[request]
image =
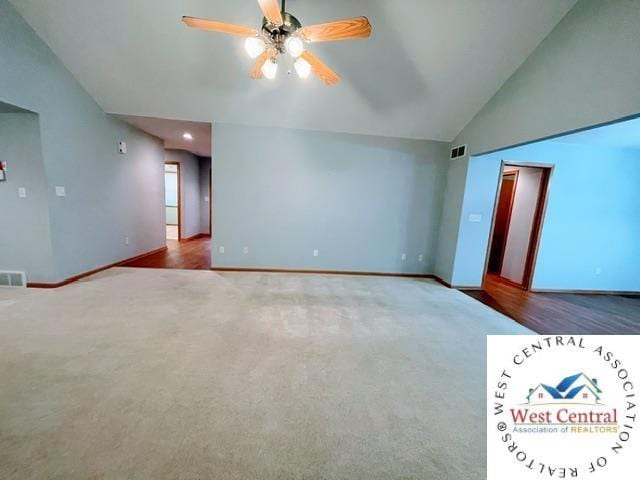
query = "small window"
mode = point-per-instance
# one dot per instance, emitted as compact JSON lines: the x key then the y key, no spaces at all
{"x":584,"y":395}
{"x":541,"y":395}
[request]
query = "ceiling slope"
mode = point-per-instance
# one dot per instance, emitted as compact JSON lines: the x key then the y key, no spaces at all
{"x":429,"y":67}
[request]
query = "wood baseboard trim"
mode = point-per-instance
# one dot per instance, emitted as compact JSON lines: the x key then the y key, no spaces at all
{"x":442,"y":281}
{"x":322,"y":272}
{"x":585,"y":292}
{"x":196,"y":237}
{"x":80,"y":276}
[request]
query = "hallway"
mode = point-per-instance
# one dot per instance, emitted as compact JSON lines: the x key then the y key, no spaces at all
{"x":562,"y":313}
{"x":194,"y":254}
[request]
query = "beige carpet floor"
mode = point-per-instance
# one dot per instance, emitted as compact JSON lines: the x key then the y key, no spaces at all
{"x":169,"y":374}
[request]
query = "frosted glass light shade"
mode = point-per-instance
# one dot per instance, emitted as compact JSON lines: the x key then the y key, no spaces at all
{"x":295,"y":46}
{"x":303,"y":68}
{"x":254,"y":46}
{"x":269,"y":69}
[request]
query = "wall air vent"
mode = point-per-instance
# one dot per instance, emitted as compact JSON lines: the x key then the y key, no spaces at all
{"x":458,"y":152}
{"x":13,"y":279}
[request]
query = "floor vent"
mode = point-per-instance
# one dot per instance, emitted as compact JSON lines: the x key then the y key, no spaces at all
{"x":458,"y":152}
{"x":13,"y":279}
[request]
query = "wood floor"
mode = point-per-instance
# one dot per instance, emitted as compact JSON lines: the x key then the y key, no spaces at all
{"x":562,"y":313}
{"x":187,"y":255}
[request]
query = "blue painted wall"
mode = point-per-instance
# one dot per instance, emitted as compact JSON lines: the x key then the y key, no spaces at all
{"x":109,"y":196}
{"x":361,"y":201}
{"x":592,"y":219}
{"x":584,"y":73}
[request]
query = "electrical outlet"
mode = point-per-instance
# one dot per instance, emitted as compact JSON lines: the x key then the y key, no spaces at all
{"x":404,"y":257}
{"x":122,"y":148}
{"x":22,"y":192}
{"x":316,"y":253}
{"x":126,"y":240}
{"x":245,"y":250}
{"x":61,"y":192}
{"x":598,"y":271}
{"x":220,"y":249}
{"x":421,"y":258}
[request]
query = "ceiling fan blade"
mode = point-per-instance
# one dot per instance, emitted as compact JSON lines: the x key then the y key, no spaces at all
{"x":271,"y":11}
{"x":323,"y":72}
{"x":221,"y":27}
{"x":348,"y":29}
{"x":256,"y":70}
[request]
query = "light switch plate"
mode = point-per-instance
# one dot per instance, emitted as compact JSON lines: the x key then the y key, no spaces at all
{"x":61,"y":192}
{"x":245,"y":250}
{"x":316,"y":253}
{"x":475,"y":217}
{"x":221,"y":249}
{"x":206,"y":199}
{"x":22,"y":192}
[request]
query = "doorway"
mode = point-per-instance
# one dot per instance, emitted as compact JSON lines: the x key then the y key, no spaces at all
{"x":517,"y":224}
{"x":172,"y":195}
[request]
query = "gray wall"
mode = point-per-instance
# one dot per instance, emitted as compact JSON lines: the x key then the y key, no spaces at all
{"x":25,"y":240}
{"x":205,"y":198}
{"x":189,"y":191}
{"x":109,"y":196}
{"x":361,"y":201}
{"x":586,"y":72}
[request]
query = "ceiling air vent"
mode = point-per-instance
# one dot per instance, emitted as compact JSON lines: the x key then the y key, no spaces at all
{"x":13,"y":279}
{"x":458,"y":152}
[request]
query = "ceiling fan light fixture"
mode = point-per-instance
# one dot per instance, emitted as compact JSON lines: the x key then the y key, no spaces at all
{"x":303,"y":68}
{"x":270,"y":69}
{"x":295,"y":46}
{"x":254,"y":46}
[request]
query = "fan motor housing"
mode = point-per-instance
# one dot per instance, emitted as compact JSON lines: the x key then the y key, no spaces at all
{"x":279,"y":34}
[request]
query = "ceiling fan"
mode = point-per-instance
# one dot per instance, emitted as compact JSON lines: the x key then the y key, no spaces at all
{"x":282,"y":33}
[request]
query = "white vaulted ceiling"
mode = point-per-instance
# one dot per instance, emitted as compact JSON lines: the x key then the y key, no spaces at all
{"x":429,"y":67}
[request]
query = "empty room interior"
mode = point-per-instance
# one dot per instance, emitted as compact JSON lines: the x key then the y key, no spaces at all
{"x":251,"y":240}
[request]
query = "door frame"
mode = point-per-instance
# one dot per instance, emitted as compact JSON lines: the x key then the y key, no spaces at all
{"x":210,"y":201}
{"x":177,"y":164}
{"x":538,"y":221}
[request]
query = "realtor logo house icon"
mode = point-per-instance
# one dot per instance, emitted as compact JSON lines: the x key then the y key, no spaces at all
{"x":577,"y":388}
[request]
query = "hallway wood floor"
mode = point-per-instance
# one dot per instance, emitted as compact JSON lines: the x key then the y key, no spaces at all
{"x":562,"y":313}
{"x":186,"y":255}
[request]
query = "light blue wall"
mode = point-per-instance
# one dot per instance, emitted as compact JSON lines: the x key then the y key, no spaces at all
{"x":586,"y":72}
{"x":450,"y":221}
{"x":109,"y":196}
{"x":25,"y":240}
{"x":361,"y":201}
{"x":592,"y":219}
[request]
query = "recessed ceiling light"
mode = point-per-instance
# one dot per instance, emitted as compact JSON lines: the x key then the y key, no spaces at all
{"x":187,"y":136}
